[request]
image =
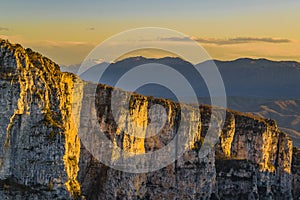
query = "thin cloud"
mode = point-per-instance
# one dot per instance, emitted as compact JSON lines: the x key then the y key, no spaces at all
{"x":64,"y":43}
{"x":13,"y":38}
{"x":4,"y":29}
{"x":179,"y":39}
{"x":90,"y":29}
{"x":250,"y":39}
{"x":230,"y":41}
{"x":46,"y":43}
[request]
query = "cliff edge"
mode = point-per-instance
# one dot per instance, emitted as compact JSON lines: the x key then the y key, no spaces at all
{"x":41,"y":156}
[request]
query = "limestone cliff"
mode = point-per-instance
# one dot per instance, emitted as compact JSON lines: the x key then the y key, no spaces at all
{"x":257,"y":163}
{"x":41,"y":156}
{"x":39,"y":145}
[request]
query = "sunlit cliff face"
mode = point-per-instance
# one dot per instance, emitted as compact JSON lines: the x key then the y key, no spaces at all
{"x":40,"y":142}
{"x":40,"y":83}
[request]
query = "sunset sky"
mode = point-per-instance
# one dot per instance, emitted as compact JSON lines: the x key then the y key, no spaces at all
{"x":66,"y":31}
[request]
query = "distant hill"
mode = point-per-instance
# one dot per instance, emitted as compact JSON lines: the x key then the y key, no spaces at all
{"x":114,"y":71}
{"x":259,"y":77}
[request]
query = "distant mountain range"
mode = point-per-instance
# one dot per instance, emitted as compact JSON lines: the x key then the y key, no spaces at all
{"x":242,"y":77}
{"x":263,"y":87}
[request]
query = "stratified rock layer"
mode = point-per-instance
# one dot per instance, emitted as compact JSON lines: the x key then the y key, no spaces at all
{"x":42,"y":157}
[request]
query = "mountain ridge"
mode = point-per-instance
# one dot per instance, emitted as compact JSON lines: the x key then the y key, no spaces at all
{"x":253,"y":59}
{"x":211,"y":60}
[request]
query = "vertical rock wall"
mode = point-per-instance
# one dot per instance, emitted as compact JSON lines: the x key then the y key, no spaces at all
{"x":41,"y":156}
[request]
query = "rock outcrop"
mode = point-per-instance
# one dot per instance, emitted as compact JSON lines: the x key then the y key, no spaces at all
{"x":258,"y":165}
{"x":41,"y":156}
{"x":39,"y":145}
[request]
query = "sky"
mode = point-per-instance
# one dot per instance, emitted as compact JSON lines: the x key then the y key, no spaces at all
{"x":66,"y":31}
